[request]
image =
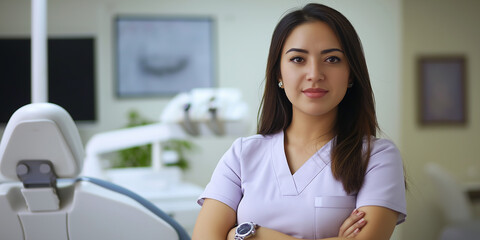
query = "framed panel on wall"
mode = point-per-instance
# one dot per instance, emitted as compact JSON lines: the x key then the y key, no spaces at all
{"x":442,"y":91}
{"x":162,"y":56}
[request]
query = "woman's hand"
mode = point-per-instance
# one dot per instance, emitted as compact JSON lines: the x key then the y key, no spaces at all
{"x":352,"y":225}
{"x":231,"y":234}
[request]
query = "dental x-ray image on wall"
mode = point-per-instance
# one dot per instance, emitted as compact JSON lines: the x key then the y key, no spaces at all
{"x":162,"y":56}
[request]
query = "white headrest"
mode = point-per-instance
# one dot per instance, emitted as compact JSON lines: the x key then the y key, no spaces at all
{"x":41,"y":131}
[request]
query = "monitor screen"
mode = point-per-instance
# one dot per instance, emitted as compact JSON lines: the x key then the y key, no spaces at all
{"x":71,"y":76}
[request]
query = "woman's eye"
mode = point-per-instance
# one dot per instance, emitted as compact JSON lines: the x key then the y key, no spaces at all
{"x":297,"y":59}
{"x":333,"y":59}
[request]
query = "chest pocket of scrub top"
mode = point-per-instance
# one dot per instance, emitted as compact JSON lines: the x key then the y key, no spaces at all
{"x":330,"y":213}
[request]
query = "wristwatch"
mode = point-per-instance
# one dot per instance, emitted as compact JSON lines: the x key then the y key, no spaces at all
{"x":245,"y":230}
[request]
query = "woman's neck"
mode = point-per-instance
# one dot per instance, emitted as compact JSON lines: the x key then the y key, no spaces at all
{"x":310,"y":130}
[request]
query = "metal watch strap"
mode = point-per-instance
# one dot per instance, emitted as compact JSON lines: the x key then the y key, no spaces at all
{"x":255,"y":226}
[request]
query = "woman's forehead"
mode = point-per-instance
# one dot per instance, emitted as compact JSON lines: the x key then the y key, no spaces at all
{"x":314,"y":35}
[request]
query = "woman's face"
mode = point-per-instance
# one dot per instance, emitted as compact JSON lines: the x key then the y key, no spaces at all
{"x":314,"y":69}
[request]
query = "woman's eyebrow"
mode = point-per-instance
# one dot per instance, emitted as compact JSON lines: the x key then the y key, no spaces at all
{"x":331,"y":50}
{"x":296,"y":50}
{"x":306,"y":51}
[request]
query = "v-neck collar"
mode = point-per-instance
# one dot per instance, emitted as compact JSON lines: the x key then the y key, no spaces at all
{"x":293,"y":185}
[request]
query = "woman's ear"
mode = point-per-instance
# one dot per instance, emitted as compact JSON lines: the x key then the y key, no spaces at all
{"x":280,"y":82}
{"x":350,"y":81}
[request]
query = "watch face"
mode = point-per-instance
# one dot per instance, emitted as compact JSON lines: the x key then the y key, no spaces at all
{"x":244,"y":228}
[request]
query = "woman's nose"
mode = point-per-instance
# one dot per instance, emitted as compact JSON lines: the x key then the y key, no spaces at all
{"x":314,"y":72}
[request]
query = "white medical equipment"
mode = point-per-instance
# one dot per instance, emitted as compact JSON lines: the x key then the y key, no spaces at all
{"x":200,"y":112}
{"x":208,"y":111}
{"x":41,"y":154}
{"x":454,"y":204}
{"x":158,"y":184}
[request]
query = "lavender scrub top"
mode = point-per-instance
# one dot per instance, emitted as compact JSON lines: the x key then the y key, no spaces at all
{"x":254,"y":179}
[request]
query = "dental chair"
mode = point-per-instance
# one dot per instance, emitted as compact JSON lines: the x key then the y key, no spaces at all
{"x":41,"y":155}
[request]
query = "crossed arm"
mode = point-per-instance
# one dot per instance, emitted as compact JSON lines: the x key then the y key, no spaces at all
{"x":216,"y":220}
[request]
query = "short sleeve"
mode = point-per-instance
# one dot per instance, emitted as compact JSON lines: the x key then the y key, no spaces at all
{"x":384,"y":183}
{"x":225,"y":184}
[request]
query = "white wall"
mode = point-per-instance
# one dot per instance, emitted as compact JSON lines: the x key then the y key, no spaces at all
{"x":243,"y":31}
{"x":440,"y":27}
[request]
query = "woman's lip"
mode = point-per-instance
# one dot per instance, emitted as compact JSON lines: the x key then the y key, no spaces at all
{"x":315,"y":92}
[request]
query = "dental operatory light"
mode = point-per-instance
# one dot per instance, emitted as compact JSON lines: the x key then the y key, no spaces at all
{"x":208,"y":111}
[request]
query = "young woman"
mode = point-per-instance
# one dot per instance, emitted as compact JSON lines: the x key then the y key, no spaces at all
{"x":315,"y":158}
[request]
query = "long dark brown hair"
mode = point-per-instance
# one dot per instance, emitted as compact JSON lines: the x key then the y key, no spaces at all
{"x":356,"y":119}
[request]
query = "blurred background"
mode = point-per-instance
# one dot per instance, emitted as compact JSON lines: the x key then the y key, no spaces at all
{"x":395,"y":35}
